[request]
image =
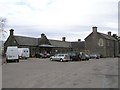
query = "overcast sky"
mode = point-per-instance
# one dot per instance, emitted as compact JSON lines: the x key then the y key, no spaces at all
{"x":72,"y":19}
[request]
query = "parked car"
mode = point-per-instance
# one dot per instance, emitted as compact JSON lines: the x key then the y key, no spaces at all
{"x":48,"y":55}
{"x":95,"y":56}
{"x":118,"y":56}
{"x":45,"y":55}
{"x":60,"y":57}
{"x":38,"y":55}
{"x":42,"y":55}
{"x":84,"y":56}
{"x":74,"y":56}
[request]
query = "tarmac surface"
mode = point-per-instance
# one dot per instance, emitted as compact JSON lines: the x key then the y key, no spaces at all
{"x":43,"y":73}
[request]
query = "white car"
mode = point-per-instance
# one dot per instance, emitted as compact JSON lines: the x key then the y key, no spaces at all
{"x":60,"y":57}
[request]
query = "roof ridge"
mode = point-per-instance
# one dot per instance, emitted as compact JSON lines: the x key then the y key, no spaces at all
{"x":109,"y":37}
{"x":58,"y":40}
{"x":24,"y":36}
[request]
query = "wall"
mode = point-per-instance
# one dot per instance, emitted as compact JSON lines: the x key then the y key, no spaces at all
{"x":10,"y":42}
{"x":60,"y":50}
{"x":95,"y":43}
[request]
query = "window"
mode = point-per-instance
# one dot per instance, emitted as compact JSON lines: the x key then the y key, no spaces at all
{"x":100,"y":42}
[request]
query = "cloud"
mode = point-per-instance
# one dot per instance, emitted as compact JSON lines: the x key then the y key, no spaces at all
{"x":72,"y":33}
{"x":60,"y":12}
{"x":60,"y":17}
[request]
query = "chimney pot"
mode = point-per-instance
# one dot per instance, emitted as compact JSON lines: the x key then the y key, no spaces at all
{"x":109,"y":33}
{"x":79,"y":40}
{"x":42,"y":35}
{"x":11,"y":31}
{"x":63,"y":39}
{"x":94,"y":29}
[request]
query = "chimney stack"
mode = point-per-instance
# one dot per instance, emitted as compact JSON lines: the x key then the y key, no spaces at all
{"x":63,"y":39}
{"x":79,"y":40}
{"x":42,"y":35}
{"x":94,"y":29}
{"x":109,"y":33}
{"x":11,"y":32}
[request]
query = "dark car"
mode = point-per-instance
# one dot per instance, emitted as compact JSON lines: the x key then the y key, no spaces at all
{"x":39,"y":55}
{"x":74,"y":56}
{"x":45,"y":55}
{"x":42,"y":55}
{"x":78,"y":56}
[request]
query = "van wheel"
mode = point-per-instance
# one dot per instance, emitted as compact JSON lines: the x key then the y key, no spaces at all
{"x":7,"y":60}
{"x":17,"y":60}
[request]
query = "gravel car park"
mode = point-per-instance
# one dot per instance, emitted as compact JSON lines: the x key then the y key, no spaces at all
{"x":42,"y":73}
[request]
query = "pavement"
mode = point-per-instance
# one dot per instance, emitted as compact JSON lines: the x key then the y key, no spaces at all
{"x":43,"y":73}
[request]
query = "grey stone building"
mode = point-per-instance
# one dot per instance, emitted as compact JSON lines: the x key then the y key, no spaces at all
{"x":103,"y":44}
{"x":21,"y":42}
{"x":42,"y":45}
{"x":78,"y":46}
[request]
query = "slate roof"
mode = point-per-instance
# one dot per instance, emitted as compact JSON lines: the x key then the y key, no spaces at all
{"x":78,"y":45}
{"x":88,"y":36}
{"x":104,"y":35}
{"x":107,"y":36}
{"x":58,"y":43}
{"x":43,"y":41}
{"x":29,"y":41}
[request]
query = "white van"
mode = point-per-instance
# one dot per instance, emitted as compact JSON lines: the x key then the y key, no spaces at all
{"x":23,"y":53}
{"x":12,"y":54}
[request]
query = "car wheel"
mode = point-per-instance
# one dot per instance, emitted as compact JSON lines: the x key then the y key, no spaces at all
{"x":51,"y":59}
{"x":61,"y":60}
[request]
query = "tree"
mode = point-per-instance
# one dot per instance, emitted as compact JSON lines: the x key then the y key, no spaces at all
{"x":2,"y":34}
{"x":2,"y":28}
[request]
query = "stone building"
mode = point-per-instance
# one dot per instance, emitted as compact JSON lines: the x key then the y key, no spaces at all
{"x":103,"y":44}
{"x":78,"y":46}
{"x":42,"y":45}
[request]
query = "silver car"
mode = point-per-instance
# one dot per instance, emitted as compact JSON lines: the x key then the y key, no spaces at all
{"x":60,"y":57}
